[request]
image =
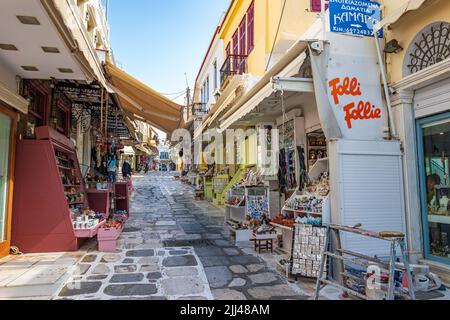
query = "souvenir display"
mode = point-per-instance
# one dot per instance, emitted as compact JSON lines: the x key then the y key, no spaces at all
{"x":309,"y":244}
{"x":235,"y":201}
{"x":258,"y":207}
{"x":252,"y":178}
{"x":284,"y":220}
{"x":317,"y":148}
{"x":85,"y":219}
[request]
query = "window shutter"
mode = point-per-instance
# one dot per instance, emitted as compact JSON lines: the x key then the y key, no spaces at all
{"x":242,"y":37}
{"x":250,"y":28}
{"x":316,"y":5}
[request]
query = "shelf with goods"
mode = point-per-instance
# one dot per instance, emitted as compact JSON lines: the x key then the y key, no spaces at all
{"x":317,"y":148}
{"x":122,"y":197}
{"x":246,"y":208}
{"x":308,"y":207}
{"x":51,"y":208}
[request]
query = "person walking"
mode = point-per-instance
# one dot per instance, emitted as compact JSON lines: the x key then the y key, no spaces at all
{"x":127,"y":173}
{"x":112,"y":168}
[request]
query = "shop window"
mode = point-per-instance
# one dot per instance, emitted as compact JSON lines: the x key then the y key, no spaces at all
{"x":38,"y":96}
{"x":434,"y":151}
{"x":251,"y":28}
{"x":62,"y":116}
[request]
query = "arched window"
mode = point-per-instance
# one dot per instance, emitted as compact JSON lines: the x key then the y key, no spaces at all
{"x":430,"y":46}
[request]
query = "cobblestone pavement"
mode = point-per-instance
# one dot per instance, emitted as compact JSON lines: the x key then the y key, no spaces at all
{"x":174,"y":248}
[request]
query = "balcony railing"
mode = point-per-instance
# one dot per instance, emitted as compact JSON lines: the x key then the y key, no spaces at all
{"x":234,"y":65}
{"x":199,"y":110}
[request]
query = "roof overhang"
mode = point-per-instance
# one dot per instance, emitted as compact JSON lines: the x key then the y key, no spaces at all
{"x":392,"y":18}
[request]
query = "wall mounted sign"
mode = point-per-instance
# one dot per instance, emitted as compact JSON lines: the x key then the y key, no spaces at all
{"x":355,"y":17}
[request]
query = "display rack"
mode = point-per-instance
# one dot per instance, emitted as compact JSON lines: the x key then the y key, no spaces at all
{"x":317,"y":148}
{"x":208,"y":188}
{"x":309,"y":244}
{"x":122,"y":196}
{"x":48,"y":187}
{"x":251,"y":202}
{"x":293,"y":212}
{"x":219,"y":184}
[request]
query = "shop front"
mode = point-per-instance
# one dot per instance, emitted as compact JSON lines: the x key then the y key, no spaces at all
{"x":420,"y":79}
{"x":12,"y":106}
{"x":434,"y":156}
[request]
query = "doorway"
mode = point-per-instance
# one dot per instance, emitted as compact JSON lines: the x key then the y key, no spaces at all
{"x":7,"y":129}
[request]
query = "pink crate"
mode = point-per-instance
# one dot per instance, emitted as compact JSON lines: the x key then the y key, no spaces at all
{"x":88,"y":233}
{"x":107,"y":239}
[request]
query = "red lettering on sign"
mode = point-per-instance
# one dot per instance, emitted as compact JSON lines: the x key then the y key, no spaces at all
{"x":361,"y":111}
{"x":348,"y":87}
{"x":364,"y":111}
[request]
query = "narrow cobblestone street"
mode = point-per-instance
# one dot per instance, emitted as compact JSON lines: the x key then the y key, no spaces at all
{"x":174,"y":248}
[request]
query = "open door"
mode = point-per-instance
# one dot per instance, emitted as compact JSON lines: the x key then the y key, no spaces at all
{"x":7,"y":147}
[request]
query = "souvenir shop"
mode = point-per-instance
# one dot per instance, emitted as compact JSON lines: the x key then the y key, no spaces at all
{"x":57,"y":204}
{"x":312,"y":187}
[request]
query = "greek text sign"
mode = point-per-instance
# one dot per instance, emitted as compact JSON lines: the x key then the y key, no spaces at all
{"x":356,"y":17}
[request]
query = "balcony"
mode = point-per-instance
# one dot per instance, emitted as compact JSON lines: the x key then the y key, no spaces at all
{"x":199,"y":110}
{"x":233,"y":65}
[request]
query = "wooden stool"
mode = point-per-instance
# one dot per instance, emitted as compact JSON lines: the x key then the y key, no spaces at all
{"x":263,"y":244}
{"x":199,"y":195}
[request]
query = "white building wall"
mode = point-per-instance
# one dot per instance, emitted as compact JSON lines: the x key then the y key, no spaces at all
{"x":215,"y":56}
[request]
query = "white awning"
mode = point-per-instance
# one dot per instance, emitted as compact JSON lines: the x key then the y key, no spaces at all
{"x":397,"y":14}
{"x":129,"y":151}
{"x":252,"y":99}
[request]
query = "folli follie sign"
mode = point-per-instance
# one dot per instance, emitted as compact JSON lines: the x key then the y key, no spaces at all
{"x":348,"y":88}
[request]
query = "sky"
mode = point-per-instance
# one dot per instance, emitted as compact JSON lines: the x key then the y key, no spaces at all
{"x":158,"y":41}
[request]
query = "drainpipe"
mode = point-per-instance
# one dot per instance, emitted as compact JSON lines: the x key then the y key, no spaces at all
{"x":393,"y":127}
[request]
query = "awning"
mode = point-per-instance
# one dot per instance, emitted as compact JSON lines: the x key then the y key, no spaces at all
{"x":137,"y":99}
{"x":144,"y":149}
{"x":129,"y":151}
{"x":397,"y":14}
{"x":264,"y":88}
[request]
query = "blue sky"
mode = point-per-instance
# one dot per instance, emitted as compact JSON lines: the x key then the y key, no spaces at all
{"x":157,"y":41}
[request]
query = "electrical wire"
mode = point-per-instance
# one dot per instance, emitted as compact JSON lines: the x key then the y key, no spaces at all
{"x":276,"y":35}
{"x":179,"y":96}
{"x":173,"y":93}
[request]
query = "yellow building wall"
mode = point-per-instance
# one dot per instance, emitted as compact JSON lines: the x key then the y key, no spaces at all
{"x":296,"y":20}
{"x":408,"y":27}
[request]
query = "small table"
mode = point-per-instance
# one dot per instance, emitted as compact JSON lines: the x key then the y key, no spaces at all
{"x":264,"y":241}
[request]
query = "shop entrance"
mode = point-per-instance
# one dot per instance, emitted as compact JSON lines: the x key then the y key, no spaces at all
{"x":434,"y":157}
{"x":6,"y":134}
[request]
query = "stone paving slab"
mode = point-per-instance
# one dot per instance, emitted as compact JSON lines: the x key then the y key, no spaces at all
{"x":208,"y":265}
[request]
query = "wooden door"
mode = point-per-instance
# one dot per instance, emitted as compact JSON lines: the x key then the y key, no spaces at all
{"x":8,"y":127}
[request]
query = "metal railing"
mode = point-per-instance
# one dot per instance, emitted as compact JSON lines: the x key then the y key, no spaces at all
{"x":199,"y":110}
{"x":233,"y":65}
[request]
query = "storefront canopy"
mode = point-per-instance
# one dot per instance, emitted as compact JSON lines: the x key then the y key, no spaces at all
{"x":144,"y":149}
{"x":140,"y":101}
{"x":397,"y":14}
{"x":129,"y":151}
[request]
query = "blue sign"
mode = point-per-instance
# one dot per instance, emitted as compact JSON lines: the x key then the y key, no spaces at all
{"x":356,"y":17}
